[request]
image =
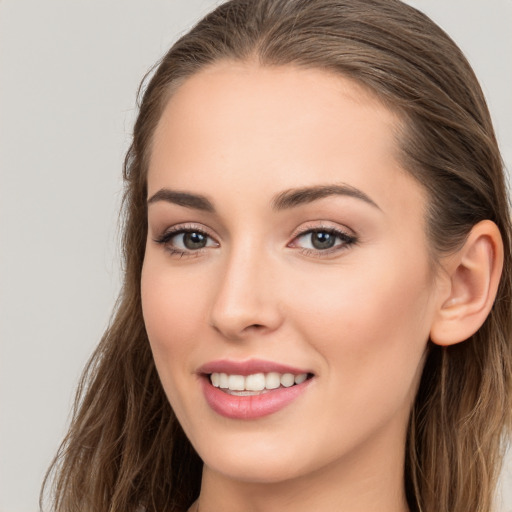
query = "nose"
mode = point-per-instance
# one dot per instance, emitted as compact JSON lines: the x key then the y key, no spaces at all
{"x":246,"y":300}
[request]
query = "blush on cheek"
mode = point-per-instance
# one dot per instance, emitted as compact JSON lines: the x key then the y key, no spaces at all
{"x":169,"y":317}
{"x":157,"y":315}
{"x":368,"y":321}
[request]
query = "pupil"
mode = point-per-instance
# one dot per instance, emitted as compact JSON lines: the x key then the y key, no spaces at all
{"x":322,"y":240}
{"x":194,"y":240}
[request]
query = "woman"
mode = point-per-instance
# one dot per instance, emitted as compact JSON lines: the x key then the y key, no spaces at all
{"x":316,"y":306}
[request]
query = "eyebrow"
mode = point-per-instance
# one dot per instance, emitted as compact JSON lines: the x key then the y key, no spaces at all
{"x":284,"y":200}
{"x":187,"y":199}
{"x":299,"y":196}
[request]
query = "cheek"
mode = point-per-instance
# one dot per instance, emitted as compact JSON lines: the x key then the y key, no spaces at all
{"x":172,"y":313}
{"x":371,"y":331}
{"x":370,"y":327}
{"x":172,"y":310}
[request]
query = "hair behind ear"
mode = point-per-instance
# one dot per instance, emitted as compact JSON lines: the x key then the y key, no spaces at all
{"x":463,"y":401}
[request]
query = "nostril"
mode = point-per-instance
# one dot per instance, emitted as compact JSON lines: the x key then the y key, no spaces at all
{"x":256,"y":327}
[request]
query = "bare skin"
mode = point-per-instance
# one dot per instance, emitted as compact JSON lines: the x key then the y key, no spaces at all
{"x":356,"y":315}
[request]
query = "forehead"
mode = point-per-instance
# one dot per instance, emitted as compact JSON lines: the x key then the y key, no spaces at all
{"x":270,"y":101}
{"x":243,"y":125}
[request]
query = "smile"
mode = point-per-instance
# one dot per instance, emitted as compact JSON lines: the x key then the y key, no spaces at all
{"x":248,"y":390}
{"x":255,"y":383}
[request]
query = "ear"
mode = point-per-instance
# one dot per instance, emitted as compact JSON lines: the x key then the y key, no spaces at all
{"x":472,"y":276}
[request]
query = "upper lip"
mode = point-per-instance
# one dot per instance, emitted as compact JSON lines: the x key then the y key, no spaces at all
{"x":248,"y":367}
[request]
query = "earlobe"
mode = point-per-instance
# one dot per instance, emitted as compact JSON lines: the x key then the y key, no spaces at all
{"x":473,"y":274}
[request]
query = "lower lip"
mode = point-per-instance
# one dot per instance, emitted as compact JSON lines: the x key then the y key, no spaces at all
{"x":250,"y":407}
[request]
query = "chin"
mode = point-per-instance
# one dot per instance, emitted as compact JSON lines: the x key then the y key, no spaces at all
{"x":256,"y":471}
{"x":262,"y":459}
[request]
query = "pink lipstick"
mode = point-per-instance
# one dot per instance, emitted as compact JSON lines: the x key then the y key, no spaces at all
{"x":251,"y":389}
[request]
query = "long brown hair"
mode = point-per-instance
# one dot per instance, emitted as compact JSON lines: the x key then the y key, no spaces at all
{"x":125,"y":450}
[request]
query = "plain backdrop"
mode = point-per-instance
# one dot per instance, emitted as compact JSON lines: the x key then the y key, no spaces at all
{"x":69,"y":71}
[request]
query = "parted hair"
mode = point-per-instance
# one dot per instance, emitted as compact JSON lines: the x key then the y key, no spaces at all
{"x":125,"y":450}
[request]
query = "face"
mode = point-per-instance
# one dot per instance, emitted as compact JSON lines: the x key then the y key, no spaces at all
{"x":287,"y":289}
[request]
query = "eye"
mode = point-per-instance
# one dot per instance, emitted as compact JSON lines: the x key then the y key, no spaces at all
{"x":320,"y":240}
{"x":323,"y":240}
{"x":190,"y":240}
{"x":186,"y":241}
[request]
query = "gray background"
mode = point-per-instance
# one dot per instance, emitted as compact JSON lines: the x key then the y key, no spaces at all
{"x":69,"y":70}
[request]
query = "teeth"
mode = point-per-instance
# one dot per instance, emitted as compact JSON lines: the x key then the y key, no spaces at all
{"x":223,"y":380}
{"x":273,"y":380}
{"x":215,"y":378}
{"x":287,"y":380}
{"x":236,"y":382}
{"x":299,"y":379}
{"x":256,"y":381}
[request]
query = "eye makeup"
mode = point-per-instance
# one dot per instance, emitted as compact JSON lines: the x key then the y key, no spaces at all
{"x":190,"y":240}
{"x":186,"y":240}
{"x":322,"y":241}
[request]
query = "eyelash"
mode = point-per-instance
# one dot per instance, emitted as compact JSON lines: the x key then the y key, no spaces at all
{"x":347,"y":240}
{"x":166,"y":237}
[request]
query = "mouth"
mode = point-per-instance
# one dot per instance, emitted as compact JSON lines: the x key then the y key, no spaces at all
{"x":255,"y":383}
{"x":252,"y":389}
